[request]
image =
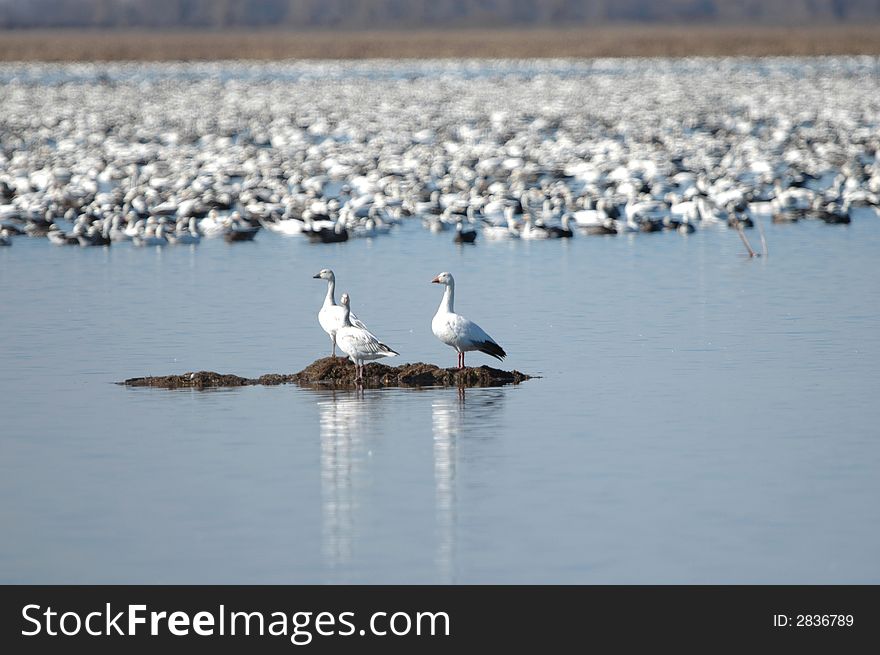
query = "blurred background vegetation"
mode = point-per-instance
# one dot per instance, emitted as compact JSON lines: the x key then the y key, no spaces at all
{"x":163,"y":30}
{"x":380,"y":14}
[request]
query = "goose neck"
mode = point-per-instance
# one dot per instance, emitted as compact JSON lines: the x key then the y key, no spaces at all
{"x":330,"y":298}
{"x":446,"y":304}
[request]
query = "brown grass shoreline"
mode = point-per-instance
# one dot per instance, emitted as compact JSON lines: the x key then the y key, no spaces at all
{"x":611,"y":41}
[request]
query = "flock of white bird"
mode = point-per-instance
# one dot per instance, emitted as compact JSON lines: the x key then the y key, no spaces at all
{"x":354,"y":339}
{"x":169,"y":154}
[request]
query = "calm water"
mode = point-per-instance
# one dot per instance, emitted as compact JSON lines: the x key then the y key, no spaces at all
{"x":701,"y":417}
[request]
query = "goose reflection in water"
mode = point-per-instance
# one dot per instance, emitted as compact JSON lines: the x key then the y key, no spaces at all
{"x":343,"y":419}
{"x":456,"y":416}
{"x":347,"y":423}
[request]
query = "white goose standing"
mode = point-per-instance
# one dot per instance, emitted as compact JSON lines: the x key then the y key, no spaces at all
{"x":359,"y":343}
{"x":331,"y":315}
{"x":458,"y":332}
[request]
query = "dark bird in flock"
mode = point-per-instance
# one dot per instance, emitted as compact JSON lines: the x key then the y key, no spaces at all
{"x":564,"y":232}
{"x":241,"y":233}
{"x":463,"y":235}
{"x":336,"y":234}
{"x":322,"y":228}
{"x":835,"y":214}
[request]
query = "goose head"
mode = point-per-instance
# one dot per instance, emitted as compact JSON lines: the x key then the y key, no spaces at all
{"x":444,"y":278}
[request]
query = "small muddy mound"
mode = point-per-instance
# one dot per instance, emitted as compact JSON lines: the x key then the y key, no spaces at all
{"x":338,"y":373}
{"x":198,"y":380}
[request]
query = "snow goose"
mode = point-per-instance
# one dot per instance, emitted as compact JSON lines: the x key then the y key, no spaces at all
{"x":507,"y":231}
{"x":240,"y":232}
{"x":438,"y":222}
{"x":455,"y":330}
{"x":39,"y":226}
{"x":96,"y":235}
{"x":285,"y":226}
{"x":318,"y":232}
{"x":564,"y":232}
{"x":117,"y":232}
{"x":134,"y":226}
{"x":240,"y":229}
{"x":151,"y":237}
{"x":464,"y":236}
{"x":683,"y":226}
{"x":644,"y":215}
{"x":548,"y":213}
{"x":529,"y":229}
{"x":597,"y":221}
{"x":186,"y":233}
{"x":373,"y":226}
{"x":790,"y":204}
{"x":591,"y":217}
{"x":213,"y":225}
{"x":835,"y":213}
{"x":331,"y":315}
{"x":357,"y":342}
{"x":61,"y":238}
{"x":494,"y":211}
{"x":609,"y":227}
{"x":709,"y":212}
{"x":431,"y":206}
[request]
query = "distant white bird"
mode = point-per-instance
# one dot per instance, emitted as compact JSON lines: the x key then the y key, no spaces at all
{"x":709,"y":212}
{"x":529,"y":229}
{"x":116,"y":233}
{"x":458,"y":332}
{"x":359,"y":343}
{"x":132,"y":229}
{"x":507,"y":231}
{"x":284,"y":226}
{"x":590,"y":217}
{"x":331,"y":315}
{"x":213,"y":225}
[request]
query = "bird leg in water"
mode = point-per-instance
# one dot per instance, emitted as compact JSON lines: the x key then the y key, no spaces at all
{"x":763,"y":239}
{"x":742,"y":235}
